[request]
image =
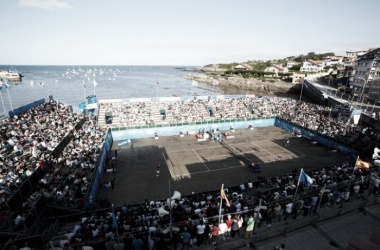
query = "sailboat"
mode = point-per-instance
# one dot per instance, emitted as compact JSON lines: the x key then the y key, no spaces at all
{"x":56,"y":81}
{"x":32,"y":82}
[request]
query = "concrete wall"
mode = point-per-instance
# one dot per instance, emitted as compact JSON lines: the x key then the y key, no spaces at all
{"x":120,"y":134}
{"x":314,"y":94}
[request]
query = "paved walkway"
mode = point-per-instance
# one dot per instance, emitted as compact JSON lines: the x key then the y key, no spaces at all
{"x":329,"y":234}
{"x":336,"y":232}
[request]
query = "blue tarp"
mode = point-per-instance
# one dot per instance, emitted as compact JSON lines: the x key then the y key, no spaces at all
{"x":327,"y":142}
{"x":98,"y":174}
{"x":26,"y":107}
{"x":175,"y":129}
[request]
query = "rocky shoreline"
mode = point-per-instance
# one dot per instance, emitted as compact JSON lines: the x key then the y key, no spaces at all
{"x":278,"y":88}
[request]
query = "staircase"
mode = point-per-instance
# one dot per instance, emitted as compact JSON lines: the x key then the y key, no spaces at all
{"x":102,"y":118}
{"x":156,"y":115}
{"x":206,"y":114}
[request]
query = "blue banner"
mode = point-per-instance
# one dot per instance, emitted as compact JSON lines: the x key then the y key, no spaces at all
{"x":98,"y":174}
{"x":325,"y":141}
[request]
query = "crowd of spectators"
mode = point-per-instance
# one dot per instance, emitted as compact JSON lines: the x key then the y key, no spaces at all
{"x":28,"y":139}
{"x":131,"y":114}
{"x":187,"y":111}
{"x":196,"y":215}
{"x":68,"y":181}
{"x":234,"y":108}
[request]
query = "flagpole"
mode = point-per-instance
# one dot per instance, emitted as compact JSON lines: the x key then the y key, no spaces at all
{"x":10,"y":101}
{"x":320,"y":198}
{"x":302,"y":89}
{"x":220,"y":207}
{"x":295,"y":194}
{"x":349,"y":182}
{"x":157,"y":90}
{"x":117,"y":228}
{"x":2,"y":101}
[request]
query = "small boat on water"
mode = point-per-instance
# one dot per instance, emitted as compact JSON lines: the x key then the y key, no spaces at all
{"x":10,"y":75}
{"x":41,"y":83}
{"x":32,"y":82}
{"x":56,"y":81}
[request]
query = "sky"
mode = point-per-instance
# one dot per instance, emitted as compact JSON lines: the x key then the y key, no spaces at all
{"x":174,"y":32}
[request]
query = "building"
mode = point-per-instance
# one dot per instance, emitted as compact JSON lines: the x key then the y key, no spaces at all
{"x":243,"y":66}
{"x":312,"y":66}
{"x":352,"y":56}
{"x":276,"y":69}
{"x":298,"y":78}
{"x":290,"y":64}
{"x":366,"y":81}
{"x":333,"y":60}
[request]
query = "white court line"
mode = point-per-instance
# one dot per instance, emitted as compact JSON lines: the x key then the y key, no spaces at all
{"x":211,"y":157}
{"x":266,"y":150}
{"x":292,"y":149}
{"x":219,"y":169}
{"x":218,"y":146}
{"x":201,"y":160}
{"x":168,"y":166}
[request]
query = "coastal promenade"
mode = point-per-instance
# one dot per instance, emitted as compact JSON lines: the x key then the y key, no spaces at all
{"x":334,"y":93}
{"x":330,"y":234}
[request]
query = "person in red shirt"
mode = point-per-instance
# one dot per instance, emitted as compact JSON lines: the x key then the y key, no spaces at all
{"x":158,"y":170}
{"x":229,"y":224}
{"x":214,"y":233}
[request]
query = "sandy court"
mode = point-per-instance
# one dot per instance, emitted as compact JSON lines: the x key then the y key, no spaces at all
{"x":193,"y":166}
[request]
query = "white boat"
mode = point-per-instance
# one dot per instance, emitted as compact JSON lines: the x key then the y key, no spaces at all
{"x":32,"y":82}
{"x":109,"y":79}
{"x":10,"y":75}
{"x":56,"y":81}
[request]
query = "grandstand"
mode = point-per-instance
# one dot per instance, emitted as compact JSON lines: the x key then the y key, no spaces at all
{"x":55,"y":164}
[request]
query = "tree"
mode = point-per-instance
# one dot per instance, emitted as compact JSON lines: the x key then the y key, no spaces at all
{"x":296,"y":67}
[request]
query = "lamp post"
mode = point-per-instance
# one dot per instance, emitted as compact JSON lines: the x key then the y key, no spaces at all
{"x":364,"y":85}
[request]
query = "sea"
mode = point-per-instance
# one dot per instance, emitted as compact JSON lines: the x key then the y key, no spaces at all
{"x":66,"y":83}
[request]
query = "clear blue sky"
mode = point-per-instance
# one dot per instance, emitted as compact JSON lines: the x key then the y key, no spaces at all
{"x":174,"y":32}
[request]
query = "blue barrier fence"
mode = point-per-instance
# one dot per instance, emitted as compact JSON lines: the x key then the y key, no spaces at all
{"x":98,"y":174}
{"x":124,"y":133}
{"x":26,"y":107}
{"x":326,"y":141}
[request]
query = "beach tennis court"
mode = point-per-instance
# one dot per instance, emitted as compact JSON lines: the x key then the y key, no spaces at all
{"x":212,"y":156}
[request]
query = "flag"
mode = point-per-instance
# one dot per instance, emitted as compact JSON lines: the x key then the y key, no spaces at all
{"x":158,"y":82}
{"x":305,"y":85}
{"x":6,"y":82}
{"x":224,"y":196}
{"x":215,"y":82}
{"x":84,"y":84}
{"x":95,"y":83}
{"x":362,"y":164}
{"x":194,"y":83}
{"x":305,"y":178}
{"x":114,"y":222}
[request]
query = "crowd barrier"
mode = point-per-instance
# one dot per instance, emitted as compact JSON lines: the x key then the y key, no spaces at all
{"x":98,"y":173}
{"x":26,"y":107}
{"x":138,"y":132}
{"x":343,"y":147}
{"x":25,"y":189}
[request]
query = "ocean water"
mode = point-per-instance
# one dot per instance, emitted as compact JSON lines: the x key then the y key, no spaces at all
{"x":129,"y":82}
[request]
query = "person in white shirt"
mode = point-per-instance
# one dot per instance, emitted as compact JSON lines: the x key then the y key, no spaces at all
{"x":200,"y":233}
{"x":223,"y":229}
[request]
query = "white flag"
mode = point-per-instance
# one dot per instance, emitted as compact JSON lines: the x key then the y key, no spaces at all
{"x":95,"y":83}
{"x":194,"y":83}
{"x":215,"y":82}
